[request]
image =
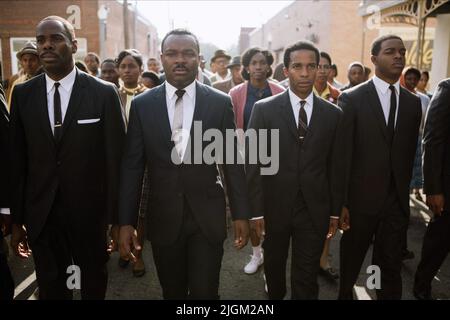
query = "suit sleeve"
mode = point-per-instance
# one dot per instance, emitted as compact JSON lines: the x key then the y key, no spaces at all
{"x":132,"y":170}
{"x":348,"y":128}
{"x":18,"y":161}
{"x":114,"y":140}
{"x":253,"y":170}
{"x":436,"y":135}
{"x":336,"y":168}
{"x":234,"y":172}
{"x":5,"y":196}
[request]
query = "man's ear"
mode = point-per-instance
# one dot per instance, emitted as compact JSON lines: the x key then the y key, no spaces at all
{"x":374,"y":60}
{"x":286,"y":72}
{"x":74,"y":46}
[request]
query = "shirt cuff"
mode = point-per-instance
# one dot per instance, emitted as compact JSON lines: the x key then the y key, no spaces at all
{"x":334,"y":217}
{"x":5,"y":211}
{"x":257,"y":218}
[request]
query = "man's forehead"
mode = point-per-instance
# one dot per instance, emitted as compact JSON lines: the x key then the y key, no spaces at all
{"x":28,"y":56}
{"x":303,"y":54}
{"x":392,"y":43}
{"x":176,"y":39}
{"x":50,"y":26}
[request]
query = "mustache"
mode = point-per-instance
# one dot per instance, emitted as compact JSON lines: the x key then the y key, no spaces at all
{"x":180,"y":66}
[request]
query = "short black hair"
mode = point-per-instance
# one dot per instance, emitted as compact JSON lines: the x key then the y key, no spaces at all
{"x":325,"y":55}
{"x":180,"y":32}
{"x":376,"y":44}
{"x":68,"y":27}
{"x":135,"y":54}
{"x":152,"y":75}
{"x":300,"y":45}
{"x":414,"y":71}
{"x":334,"y":67}
{"x":247,"y":57}
{"x":109,"y":60}
{"x":81,"y":65}
{"x":97,"y":58}
{"x":427,"y":74}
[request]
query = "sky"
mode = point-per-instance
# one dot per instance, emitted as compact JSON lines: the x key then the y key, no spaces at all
{"x":213,"y":21}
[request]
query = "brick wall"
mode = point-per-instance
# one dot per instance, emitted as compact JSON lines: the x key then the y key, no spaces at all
{"x":19,"y":19}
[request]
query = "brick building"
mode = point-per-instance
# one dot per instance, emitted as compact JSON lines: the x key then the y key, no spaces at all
{"x":99,"y":27}
{"x":343,"y":28}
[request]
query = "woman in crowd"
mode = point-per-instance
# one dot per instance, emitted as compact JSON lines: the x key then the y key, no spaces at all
{"x":129,"y":66}
{"x":256,"y":71}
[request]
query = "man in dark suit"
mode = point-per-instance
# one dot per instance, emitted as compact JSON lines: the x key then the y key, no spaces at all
{"x":381,"y":121}
{"x":436,"y":169}
{"x":186,"y":221}
{"x":6,"y":281}
{"x":67,"y":133}
{"x":303,"y":200}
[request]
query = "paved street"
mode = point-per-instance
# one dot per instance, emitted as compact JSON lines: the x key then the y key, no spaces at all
{"x":235,"y":284}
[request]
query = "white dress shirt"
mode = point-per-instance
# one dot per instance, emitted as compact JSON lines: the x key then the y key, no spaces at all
{"x":295,"y":103}
{"x":384,"y":94}
{"x":65,"y":90}
{"x":188,"y":110}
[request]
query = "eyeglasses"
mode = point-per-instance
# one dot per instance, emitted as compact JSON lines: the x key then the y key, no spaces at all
{"x":325,"y":67}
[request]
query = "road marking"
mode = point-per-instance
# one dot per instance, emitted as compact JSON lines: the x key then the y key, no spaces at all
{"x":25,"y":284}
{"x":361,"y":293}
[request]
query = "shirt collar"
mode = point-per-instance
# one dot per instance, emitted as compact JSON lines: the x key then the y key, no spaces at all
{"x":190,"y":90}
{"x":66,"y":83}
{"x":325,"y":92}
{"x":295,"y":100}
{"x":218,"y":76}
{"x":383,"y":86}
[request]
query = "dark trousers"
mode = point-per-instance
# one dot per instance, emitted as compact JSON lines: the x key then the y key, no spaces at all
{"x":387,"y":229}
{"x":57,"y":248}
{"x":190,"y":267}
{"x":435,"y":248}
{"x":307,"y":245}
{"x":6,"y":280}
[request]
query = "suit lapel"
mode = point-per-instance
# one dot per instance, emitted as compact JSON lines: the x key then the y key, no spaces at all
{"x":315,"y":118}
{"x":200,"y":106}
{"x":77,"y":95}
{"x":162,"y":114}
{"x":40,"y":95}
{"x":375,"y":104}
{"x":288,"y":115}
{"x":401,"y":114}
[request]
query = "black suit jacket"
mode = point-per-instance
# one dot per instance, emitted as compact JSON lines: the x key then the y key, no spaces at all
{"x":436,"y":144}
{"x":5,"y":187}
{"x":315,"y":170}
{"x":149,"y":143}
{"x":83,"y":168}
{"x":370,"y":159}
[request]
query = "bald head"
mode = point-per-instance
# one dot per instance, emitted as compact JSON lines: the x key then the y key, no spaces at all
{"x":68,"y":28}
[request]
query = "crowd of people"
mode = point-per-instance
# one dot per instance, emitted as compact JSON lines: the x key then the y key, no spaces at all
{"x":87,"y":165}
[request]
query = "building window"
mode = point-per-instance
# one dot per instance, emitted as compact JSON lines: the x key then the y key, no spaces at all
{"x":82,"y":49}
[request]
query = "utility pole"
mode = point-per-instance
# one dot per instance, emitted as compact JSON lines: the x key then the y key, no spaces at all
{"x":125,"y":24}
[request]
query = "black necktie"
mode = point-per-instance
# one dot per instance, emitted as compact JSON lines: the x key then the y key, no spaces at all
{"x":57,"y":130}
{"x":302,"y":122}
{"x":392,"y":110}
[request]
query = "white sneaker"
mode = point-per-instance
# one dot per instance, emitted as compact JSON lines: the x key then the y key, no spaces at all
{"x":254,"y":264}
